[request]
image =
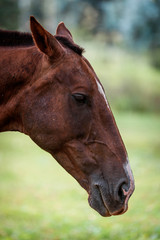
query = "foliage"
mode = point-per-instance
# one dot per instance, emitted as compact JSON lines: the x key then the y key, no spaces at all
{"x":39,"y":200}
{"x":136,"y":21}
{"x":155,"y":58}
{"x":139,"y":23}
{"x":9,"y":13}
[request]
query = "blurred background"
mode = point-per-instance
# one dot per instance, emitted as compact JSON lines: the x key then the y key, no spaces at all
{"x":38,"y":199}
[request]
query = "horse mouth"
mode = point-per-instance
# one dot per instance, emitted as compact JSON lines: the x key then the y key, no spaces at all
{"x":98,"y":202}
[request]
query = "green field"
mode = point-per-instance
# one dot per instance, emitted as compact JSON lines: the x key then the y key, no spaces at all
{"x":40,"y":201}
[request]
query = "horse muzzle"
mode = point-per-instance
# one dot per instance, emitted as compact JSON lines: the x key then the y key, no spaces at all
{"x":108,"y":199}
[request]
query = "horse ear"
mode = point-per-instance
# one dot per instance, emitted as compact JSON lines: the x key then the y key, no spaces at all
{"x":45,"y":41}
{"x":63,"y":31}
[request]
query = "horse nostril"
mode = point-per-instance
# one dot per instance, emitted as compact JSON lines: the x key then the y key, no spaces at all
{"x":122,"y":191}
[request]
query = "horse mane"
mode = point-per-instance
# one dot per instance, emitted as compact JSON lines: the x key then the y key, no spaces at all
{"x":15,"y":39}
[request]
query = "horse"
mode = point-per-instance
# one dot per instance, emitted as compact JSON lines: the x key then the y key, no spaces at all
{"x":50,"y":92}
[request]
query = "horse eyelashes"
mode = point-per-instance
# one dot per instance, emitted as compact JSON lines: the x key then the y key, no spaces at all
{"x":80,"y":98}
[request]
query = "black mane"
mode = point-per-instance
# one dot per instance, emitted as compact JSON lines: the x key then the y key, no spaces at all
{"x":15,"y":39}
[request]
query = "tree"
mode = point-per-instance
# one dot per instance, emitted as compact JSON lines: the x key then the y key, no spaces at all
{"x":9,"y":13}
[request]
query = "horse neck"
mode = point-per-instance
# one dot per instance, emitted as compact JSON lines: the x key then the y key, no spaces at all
{"x":18,"y":67}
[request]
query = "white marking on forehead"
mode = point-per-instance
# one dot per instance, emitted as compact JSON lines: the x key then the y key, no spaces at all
{"x":100,"y":89}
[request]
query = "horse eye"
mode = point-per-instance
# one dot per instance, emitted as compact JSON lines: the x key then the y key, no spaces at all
{"x":80,"y":98}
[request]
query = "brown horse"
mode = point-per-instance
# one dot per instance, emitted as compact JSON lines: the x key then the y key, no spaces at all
{"x":49,"y":91}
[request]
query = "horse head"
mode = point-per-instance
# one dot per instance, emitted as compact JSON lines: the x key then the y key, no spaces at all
{"x":65,"y":111}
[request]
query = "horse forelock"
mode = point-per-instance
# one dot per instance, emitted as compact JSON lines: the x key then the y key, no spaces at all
{"x":71,"y":45}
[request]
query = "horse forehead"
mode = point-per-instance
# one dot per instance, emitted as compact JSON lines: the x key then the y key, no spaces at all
{"x":89,"y":76}
{"x":98,"y":86}
{"x":74,"y":71}
{"x":81,"y":74}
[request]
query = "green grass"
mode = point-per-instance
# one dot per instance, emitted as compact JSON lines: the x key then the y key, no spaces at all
{"x":40,"y":201}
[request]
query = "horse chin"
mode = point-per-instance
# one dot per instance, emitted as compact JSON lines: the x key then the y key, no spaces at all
{"x":98,"y":205}
{"x":97,"y":202}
